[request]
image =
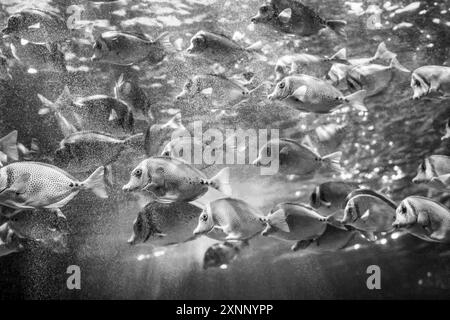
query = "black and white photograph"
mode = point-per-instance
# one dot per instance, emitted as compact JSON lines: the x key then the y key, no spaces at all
{"x":218,"y":150}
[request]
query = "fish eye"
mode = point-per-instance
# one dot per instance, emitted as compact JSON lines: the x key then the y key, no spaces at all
{"x":97,"y":45}
{"x":204,"y":217}
{"x":417,"y":83}
{"x":403,"y":208}
{"x":313,"y":197}
{"x":422,"y":166}
{"x":137,"y":173}
{"x":269,"y":152}
{"x":166,"y":154}
{"x":198,"y":39}
{"x":281,"y":85}
{"x":350,"y":210}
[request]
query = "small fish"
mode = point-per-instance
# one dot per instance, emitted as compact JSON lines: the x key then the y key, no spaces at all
{"x":10,"y":242}
{"x":303,"y":63}
{"x":294,"y":17}
{"x":434,"y":171}
{"x":328,"y":197}
{"x":424,"y":218}
{"x":135,"y":97}
{"x":368,"y":212}
{"x":98,"y":112}
{"x":234,"y":217}
{"x":221,"y":90}
{"x":219,"y":48}
{"x":310,"y":94}
{"x":38,"y":56}
{"x":447,"y":130}
{"x":428,"y":80}
{"x":31,"y":185}
{"x":338,"y":71}
{"x":173,"y":180}
{"x":8,"y":148}
{"x":47,"y":226}
{"x":294,"y":222}
{"x":373,"y":78}
{"x":158,"y":135}
{"x":122,"y":48}
{"x":296,"y":158}
{"x":165,"y":223}
{"x":84,"y":151}
{"x":222,"y":253}
{"x":37,"y":26}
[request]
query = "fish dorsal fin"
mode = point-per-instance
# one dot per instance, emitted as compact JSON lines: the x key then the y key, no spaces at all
{"x":369,"y":193}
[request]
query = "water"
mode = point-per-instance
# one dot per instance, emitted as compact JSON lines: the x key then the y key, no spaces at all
{"x":382,"y":149}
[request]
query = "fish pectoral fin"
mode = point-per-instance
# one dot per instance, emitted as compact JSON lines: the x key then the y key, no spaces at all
{"x":150,"y":187}
{"x":284,"y":151}
{"x":19,"y":186}
{"x":299,"y":94}
{"x":438,"y":234}
{"x":366,"y":215}
{"x":278,"y":219}
{"x":35,"y":26}
{"x":444,"y":179}
{"x":207,"y":91}
{"x":285,"y":15}
{"x":113,"y":115}
{"x":302,"y":244}
{"x":160,"y":235}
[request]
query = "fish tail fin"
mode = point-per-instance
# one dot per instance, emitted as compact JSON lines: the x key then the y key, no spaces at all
{"x":96,"y":183}
{"x":337,"y":26}
{"x":333,"y":161}
{"x":164,"y":40}
{"x":9,"y":145}
{"x":396,"y":65}
{"x":48,"y":105}
{"x":221,"y":181}
{"x":383,"y":53}
{"x":356,"y":100}
{"x":278,"y":219}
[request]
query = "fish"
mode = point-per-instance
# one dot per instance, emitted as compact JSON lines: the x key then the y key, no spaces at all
{"x":373,"y":78}
{"x":328,"y":197}
{"x":303,"y":63}
{"x":84,"y":151}
{"x":10,"y":242}
{"x":368,"y":212}
{"x":234,"y":217}
{"x":123,"y":48}
{"x":37,"y":26}
{"x":299,"y":159}
{"x":220,"y":89}
{"x":47,"y":226}
{"x":130,"y":92}
{"x":309,"y":94}
{"x":338,"y":71}
{"x":8,"y":148}
{"x":222,"y":253}
{"x":158,"y":135}
{"x":219,"y":48}
{"x":294,"y":222}
{"x":165,"y":223}
{"x":428,"y":80}
{"x":292,"y":16}
{"x":32,"y":185}
{"x":173,"y":180}
{"x":97,"y":112}
{"x":434,"y":171}
{"x":38,"y":56}
{"x":424,"y":218}
{"x":447,"y":130}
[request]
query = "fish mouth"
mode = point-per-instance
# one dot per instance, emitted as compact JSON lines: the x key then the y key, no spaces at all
{"x":258,"y":163}
{"x":181,"y":96}
{"x":255,"y":19}
{"x":127,"y":188}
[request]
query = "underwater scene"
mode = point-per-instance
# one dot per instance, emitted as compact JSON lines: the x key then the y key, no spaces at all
{"x":224,"y":149}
